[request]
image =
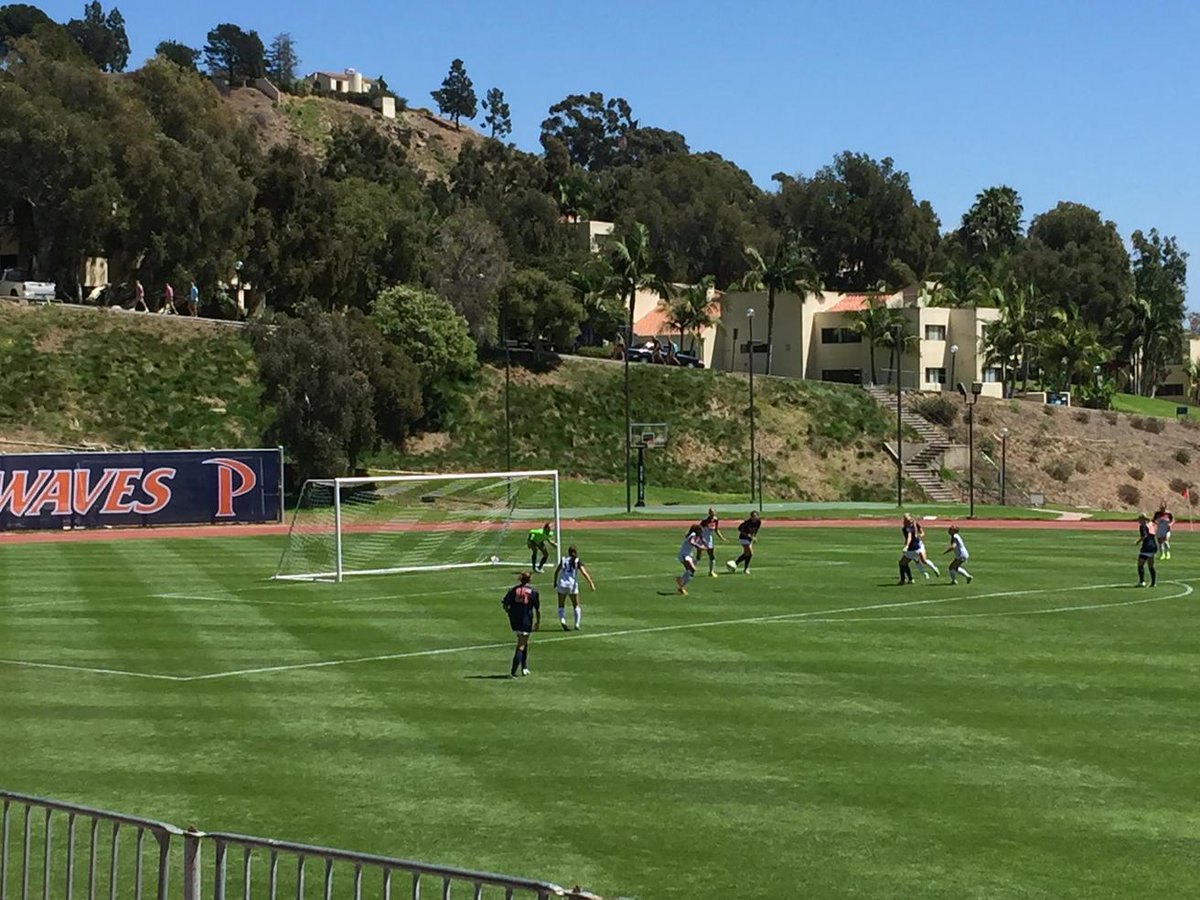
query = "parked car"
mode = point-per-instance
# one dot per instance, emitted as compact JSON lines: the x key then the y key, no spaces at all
{"x":664,"y":353}
{"x":14,"y":285}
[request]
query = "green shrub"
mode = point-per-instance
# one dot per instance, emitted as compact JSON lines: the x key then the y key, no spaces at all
{"x":1148,"y":423}
{"x":937,"y":409}
{"x":1060,"y":470}
{"x":1183,"y":456}
{"x":1129,"y":495}
{"x":594,"y":352}
{"x":1082,"y":416}
{"x":1110,"y":417}
{"x":1178,"y":486}
{"x":1136,"y":474}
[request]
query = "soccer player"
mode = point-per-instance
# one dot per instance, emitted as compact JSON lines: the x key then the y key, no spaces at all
{"x":923,"y":556}
{"x":747,"y":535}
{"x":538,"y":539}
{"x":1162,"y":530}
{"x":710,"y":529}
{"x":1146,"y":552}
{"x":692,"y":541}
{"x":909,"y":530}
{"x":960,"y":556}
{"x":524,"y":617}
{"x":566,"y":578}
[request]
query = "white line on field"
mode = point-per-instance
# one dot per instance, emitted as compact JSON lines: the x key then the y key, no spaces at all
{"x":657,"y":629}
{"x":29,"y":664}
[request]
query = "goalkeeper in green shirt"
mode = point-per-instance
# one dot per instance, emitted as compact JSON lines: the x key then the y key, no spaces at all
{"x":538,"y":539}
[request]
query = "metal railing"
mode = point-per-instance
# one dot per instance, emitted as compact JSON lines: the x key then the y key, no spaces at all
{"x":34,"y":864}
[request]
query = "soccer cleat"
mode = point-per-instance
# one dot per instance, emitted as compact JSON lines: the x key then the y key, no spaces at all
{"x":970,"y":578}
{"x":713,"y":575}
{"x":564,"y":625}
{"x":1141,"y":584}
{"x":524,"y":671}
{"x":952,"y":581}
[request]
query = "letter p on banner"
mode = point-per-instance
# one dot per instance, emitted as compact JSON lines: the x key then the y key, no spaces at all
{"x":227,"y":492}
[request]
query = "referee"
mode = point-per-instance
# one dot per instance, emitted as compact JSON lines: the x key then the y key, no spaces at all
{"x":524,"y":617}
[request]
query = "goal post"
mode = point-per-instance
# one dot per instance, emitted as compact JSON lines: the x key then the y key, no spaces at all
{"x":391,"y":524}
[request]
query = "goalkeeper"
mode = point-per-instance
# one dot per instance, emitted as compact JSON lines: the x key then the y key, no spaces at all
{"x":538,"y":539}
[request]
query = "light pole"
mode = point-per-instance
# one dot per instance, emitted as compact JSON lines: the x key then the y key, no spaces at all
{"x":971,"y":400}
{"x":750,"y":355}
{"x":1003,"y":465}
{"x":897,"y":331}
{"x":628,"y":449}
{"x":953,"y":362}
{"x":508,"y":345}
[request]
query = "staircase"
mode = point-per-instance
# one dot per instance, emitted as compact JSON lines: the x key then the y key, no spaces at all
{"x":921,"y":468}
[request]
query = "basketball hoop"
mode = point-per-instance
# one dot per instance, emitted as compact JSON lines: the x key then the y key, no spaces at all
{"x":648,"y":435}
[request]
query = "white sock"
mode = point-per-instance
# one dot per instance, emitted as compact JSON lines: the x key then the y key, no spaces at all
{"x":921,"y":568}
{"x":964,"y":572}
{"x":578,"y":615}
{"x":562,"y":615}
{"x":935,"y":568}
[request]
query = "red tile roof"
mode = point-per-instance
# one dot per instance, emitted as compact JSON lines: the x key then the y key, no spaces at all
{"x":850,"y":303}
{"x":658,"y":320}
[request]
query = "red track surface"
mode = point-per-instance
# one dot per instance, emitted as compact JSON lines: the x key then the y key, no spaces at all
{"x":210,"y":531}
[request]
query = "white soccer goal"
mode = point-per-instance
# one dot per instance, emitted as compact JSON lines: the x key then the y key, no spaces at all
{"x":416,"y":523}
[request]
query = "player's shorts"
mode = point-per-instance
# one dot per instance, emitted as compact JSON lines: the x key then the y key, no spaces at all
{"x":685,"y":559}
{"x":708,"y":542}
{"x":745,"y":542}
{"x":1163,"y":532}
{"x":568,"y":586}
{"x":1147,"y":554}
{"x":912,"y":554}
{"x":959,"y":560}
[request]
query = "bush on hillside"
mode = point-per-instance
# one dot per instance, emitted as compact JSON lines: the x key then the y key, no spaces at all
{"x":937,"y":409}
{"x":1060,"y":470}
{"x":1183,"y":456}
{"x":1129,"y":495}
{"x":1148,"y":423}
{"x":1178,"y":486}
{"x":1136,"y":474}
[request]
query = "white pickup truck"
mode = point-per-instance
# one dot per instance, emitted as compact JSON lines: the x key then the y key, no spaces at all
{"x":13,"y":284}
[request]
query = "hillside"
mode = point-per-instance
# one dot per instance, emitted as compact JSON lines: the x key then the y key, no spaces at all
{"x":83,"y":377}
{"x":819,"y":441}
{"x":432,"y":143}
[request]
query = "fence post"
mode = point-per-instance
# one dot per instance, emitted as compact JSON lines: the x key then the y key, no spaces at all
{"x":191,"y":864}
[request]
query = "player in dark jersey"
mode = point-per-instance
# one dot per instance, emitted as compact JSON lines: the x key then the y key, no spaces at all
{"x":1162,"y":530}
{"x":747,"y":535}
{"x":525,"y":617}
{"x":1147,"y":550}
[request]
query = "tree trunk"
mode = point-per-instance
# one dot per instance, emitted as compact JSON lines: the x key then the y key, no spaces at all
{"x":770,"y":330}
{"x":871,"y":352}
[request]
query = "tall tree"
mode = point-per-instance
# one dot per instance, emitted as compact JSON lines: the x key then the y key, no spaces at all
{"x":588,"y":128}
{"x":18,"y":20}
{"x":282,"y":61}
{"x":180,"y":54}
{"x":1160,"y":286}
{"x":456,"y":97}
{"x":539,"y":309}
{"x":693,"y":310}
{"x":467,"y":264}
{"x":788,"y":269}
{"x":1078,"y":263}
{"x":102,"y":37}
{"x":877,"y":323}
{"x":635,"y":267}
{"x":991,"y":228}
{"x":497,"y":119}
{"x":237,"y":55}
{"x":860,"y":216}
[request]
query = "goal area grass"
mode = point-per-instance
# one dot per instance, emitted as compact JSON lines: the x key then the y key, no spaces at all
{"x":812,"y":729}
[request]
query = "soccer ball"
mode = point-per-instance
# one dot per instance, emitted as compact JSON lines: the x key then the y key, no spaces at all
{"x":495,"y":559}
{"x":731,"y":566}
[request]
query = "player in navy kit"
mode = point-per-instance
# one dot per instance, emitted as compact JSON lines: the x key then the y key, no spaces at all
{"x":747,"y":535}
{"x":566,"y":581}
{"x":525,"y":617}
{"x":1147,"y":550}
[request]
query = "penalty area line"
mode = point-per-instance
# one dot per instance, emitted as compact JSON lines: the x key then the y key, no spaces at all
{"x":30,"y":664}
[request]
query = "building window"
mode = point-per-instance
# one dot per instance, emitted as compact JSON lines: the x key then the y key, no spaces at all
{"x":935,"y":376}
{"x":993,"y":375}
{"x":842,"y":376}
{"x":1170,"y":390}
{"x":935,"y":332}
{"x":840,"y":336}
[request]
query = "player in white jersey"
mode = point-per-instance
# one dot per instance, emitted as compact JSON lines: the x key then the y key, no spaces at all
{"x":710,"y":530}
{"x":960,"y":556}
{"x":693,"y":541}
{"x":1162,"y":531}
{"x":566,"y":581}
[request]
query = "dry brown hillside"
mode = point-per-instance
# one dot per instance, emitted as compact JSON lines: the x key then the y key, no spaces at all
{"x":1088,"y":458}
{"x":432,"y":143}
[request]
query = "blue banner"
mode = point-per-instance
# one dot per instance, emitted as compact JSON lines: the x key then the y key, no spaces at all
{"x":179,"y":487}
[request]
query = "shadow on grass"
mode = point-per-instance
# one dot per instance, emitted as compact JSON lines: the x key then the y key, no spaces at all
{"x":488,"y":677}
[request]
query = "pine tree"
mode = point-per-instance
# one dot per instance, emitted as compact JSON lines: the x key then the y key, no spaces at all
{"x":456,"y":98}
{"x":282,"y":61}
{"x":497,"y":118}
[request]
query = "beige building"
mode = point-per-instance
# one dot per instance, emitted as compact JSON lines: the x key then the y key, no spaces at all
{"x":350,"y":81}
{"x":1178,"y":381}
{"x":814,"y":339}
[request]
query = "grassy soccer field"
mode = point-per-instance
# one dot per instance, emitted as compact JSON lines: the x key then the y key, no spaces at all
{"x":810,"y":730}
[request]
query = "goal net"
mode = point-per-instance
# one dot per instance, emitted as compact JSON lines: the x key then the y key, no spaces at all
{"x":415,"y":523}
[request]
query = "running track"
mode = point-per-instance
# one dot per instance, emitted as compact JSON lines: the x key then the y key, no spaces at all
{"x":211,"y":531}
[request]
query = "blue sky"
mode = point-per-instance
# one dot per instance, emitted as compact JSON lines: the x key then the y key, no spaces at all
{"x":1064,"y":100}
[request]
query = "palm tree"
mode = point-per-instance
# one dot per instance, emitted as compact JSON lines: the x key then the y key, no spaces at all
{"x":600,"y":319}
{"x":691,"y":310}
{"x":876,"y":323}
{"x":1192,"y":370}
{"x":789,"y":268}
{"x":635,"y":267}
